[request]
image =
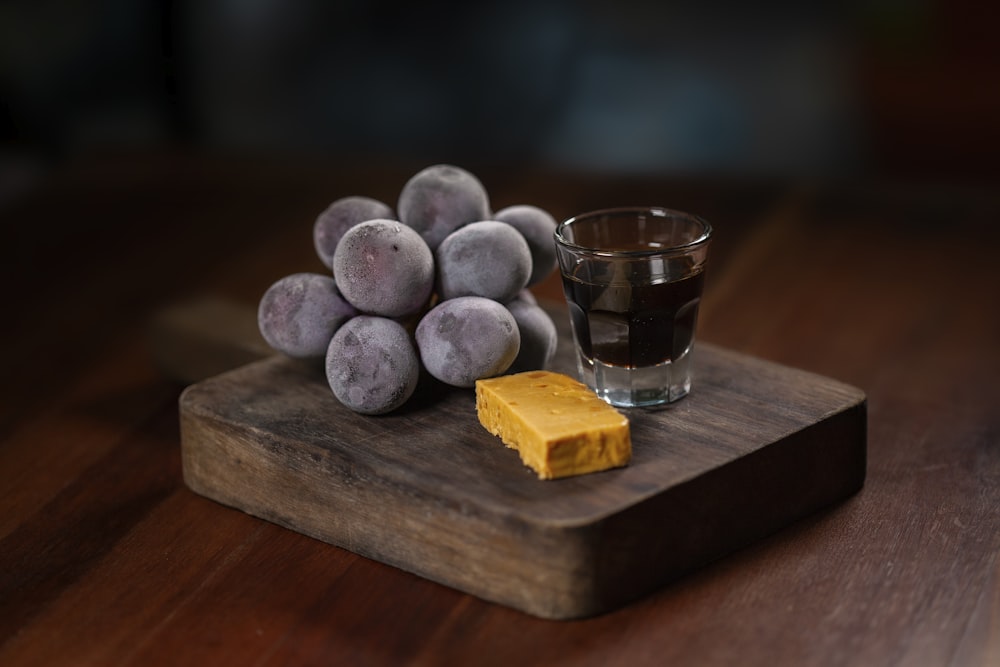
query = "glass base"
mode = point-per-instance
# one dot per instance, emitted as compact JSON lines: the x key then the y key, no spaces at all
{"x":645,"y":387}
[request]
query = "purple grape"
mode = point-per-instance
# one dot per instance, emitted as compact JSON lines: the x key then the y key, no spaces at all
{"x":489,"y":259}
{"x":383,"y":267}
{"x":468,"y":338}
{"x":299,"y":314}
{"x":440,"y":199}
{"x":538,"y":336}
{"x":371,"y":365}
{"x":538,"y":228}
{"x":340,"y":216}
{"x":526,"y":296}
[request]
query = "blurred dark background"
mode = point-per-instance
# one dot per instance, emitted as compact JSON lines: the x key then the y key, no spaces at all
{"x":782,"y":89}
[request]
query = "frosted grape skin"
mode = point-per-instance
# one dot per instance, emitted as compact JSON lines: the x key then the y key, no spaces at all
{"x":488,"y":258}
{"x":383,"y":267}
{"x":299,"y":314}
{"x":538,"y":228}
{"x":340,"y":216}
{"x":372,"y":366}
{"x":468,"y":338}
{"x":539,"y":337}
{"x":440,"y":199}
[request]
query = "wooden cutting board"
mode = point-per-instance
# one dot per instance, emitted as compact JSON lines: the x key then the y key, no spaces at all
{"x":754,"y":447}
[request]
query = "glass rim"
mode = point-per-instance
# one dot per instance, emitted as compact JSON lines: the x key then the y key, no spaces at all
{"x":659,"y":211}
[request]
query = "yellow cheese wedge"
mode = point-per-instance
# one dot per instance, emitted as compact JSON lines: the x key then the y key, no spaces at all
{"x":559,"y":427}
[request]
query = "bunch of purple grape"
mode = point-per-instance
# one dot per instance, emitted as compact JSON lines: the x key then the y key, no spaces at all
{"x":438,"y":284}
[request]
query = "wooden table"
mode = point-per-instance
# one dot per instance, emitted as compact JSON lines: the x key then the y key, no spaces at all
{"x":107,"y":558}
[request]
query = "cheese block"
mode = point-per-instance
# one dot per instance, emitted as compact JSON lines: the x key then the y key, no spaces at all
{"x":558,"y":425}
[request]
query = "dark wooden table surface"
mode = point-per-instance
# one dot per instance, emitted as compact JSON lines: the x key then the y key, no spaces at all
{"x":107,"y":558}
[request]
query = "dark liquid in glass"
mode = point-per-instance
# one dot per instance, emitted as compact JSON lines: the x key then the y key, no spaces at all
{"x":634,"y":325}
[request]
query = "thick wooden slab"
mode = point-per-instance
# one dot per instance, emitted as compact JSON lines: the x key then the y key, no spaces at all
{"x":753,"y":447}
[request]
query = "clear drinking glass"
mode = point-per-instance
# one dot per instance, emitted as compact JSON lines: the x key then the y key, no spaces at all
{"x":633,"y":280}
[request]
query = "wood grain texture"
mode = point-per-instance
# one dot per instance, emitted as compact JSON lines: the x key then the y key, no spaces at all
{"x":106,"y":558}
{"x":427,"y":489}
